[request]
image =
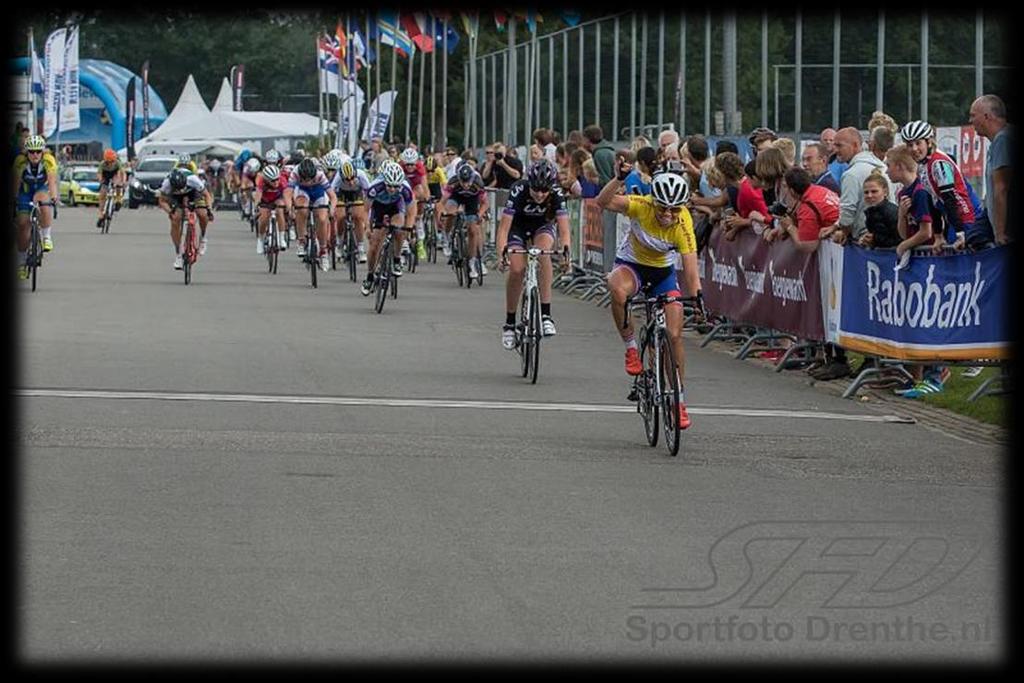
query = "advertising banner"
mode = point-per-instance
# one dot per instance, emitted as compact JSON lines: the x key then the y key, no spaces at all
{"x":937,"y":307}
{"x":54,"y":55}
{"x":973,"y":148}
{"x":129,"y":118}
{"x":773,"y":286}
{"x":377,"y":117}
{"x":145,"y":99}
{"x":69,"y":97}
{"x":593,"y":236}
{"x":575,"y":208}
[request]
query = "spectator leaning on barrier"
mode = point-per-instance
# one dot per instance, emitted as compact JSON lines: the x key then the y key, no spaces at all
{"x":814,"y":208}
{"x":602,"y":151}
{"x":835,"y":166}
{"x":918,"y":220}
{"x":988,"y":116}
{"x":750,"y":199}
{"x":880,"y":215}
{"x":851,"y":200}
{"x":771,"y":167}
{"x":815,"y":162}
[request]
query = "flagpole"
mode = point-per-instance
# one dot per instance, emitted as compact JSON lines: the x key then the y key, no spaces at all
{"x":319,"y":86}
{"x":380,"y":59}
{"x":30,"y":118}
{"x":408,"y":92}
{"x":433,"y":92}
{"x":419,"y":105}
{"x":394,"y":68}
{"x":444,"y":90}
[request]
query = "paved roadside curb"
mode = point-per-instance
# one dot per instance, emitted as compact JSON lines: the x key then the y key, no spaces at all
{"x":941,"y":419}
{"x":945,"y":421}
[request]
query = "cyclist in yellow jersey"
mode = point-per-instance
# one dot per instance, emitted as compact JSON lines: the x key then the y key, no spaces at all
{"x":35,"y":180}
{"x":644,"y":261}
{"x":436,"y":179}
{"x":185,"y":161}
{"x":111,"y":172}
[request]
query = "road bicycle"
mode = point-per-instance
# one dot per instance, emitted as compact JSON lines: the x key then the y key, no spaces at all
{"x":430,"y":234}
{"x":271,"y":242}
{"x":190,"y":242}
{"x":657,"y":388}
{"x":528,"y":328}
{"x":108,"y":211}
{"x":383,"y":279}
{"x":34,"y":257}
{"x":347,"y":240}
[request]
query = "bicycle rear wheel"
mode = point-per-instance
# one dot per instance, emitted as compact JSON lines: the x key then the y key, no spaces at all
{"x":312,"y":257}
{"x":35,"y":254}
{"x":381,"y":277}
{"x":647,"y":385}
{"x":187,"y":256}
{"x":351,"y":251}
{"x":669,"y":397}
{"x":535,"y":334}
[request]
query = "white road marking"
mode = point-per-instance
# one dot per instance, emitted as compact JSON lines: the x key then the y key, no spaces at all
{"x":361,"y":401}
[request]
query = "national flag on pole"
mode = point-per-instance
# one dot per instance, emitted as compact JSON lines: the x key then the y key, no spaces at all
{"x":37,"y":67}
{"x":471,"y":23}
{"x":328,"y":54}
{"x":571,"y":17}
{"x":340,"y":42}
{"x":453,"y":35}
{"x":500,"y":19}
{"x":391,"y":33}
{"x":416,"y":26}
{"x":362,"y":49}
{"x":532,"y":17}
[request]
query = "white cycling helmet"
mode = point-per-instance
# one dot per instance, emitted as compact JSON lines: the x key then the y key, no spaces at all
{"x":670,"y":189}
{"x":253,"y":165}
{"x":409,"y":156}
{"x":271,"y":173}
{"x":333,"y":160}
{"x":916,"y":130}
{"x":184,"y":158}
{"x":392,"y":173}
{"x":272,"y":157}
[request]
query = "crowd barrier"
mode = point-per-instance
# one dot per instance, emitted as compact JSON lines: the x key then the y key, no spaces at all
{"x":936,"y":310}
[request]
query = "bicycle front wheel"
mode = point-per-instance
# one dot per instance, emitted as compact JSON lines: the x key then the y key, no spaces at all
{"x":312,"y":258}
{"x":523,"y":334}
{"x":35,"y":251}
{"x":669,"y":397}
{"x":647,"y":384}
{"x":352,"y":251}
{"x":535,"y":334}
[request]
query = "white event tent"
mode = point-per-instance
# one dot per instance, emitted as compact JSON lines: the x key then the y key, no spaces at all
{"x":193,"y":128}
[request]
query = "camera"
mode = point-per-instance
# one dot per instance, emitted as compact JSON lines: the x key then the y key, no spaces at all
{"x":778,"y":209}
{"x":498,"y":156}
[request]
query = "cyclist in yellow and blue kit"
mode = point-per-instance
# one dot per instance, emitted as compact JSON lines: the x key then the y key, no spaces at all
{"x":35,"y":180}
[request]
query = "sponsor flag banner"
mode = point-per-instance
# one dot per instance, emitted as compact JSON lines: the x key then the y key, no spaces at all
{"x":237,"y":85}
{"x":38,"y":78}
{"x":936,"y":307}
{"x":129,"y":118}
{"x":774,"y":286}
{"x":70,"y":96}
{"x":593,"y":236}
{"x":379,"y":114}
{"x":54,"y":55}
{"x":145,"y":99}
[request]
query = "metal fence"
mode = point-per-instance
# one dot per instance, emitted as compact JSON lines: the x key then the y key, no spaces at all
{"x":632,"y":72}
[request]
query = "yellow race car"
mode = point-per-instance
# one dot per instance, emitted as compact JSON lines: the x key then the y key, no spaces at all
{"x":78,"y":185}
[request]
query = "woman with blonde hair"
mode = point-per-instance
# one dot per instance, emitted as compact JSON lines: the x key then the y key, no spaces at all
{"x":638,"y":142}
{"x":788,"y":148}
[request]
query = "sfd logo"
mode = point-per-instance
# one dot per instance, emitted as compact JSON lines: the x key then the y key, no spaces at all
{"x":860,"y":564}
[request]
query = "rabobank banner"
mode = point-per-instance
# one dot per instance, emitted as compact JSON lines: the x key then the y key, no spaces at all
{"x":936,"y":307}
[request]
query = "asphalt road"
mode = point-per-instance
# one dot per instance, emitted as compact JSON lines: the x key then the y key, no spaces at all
{"x":249,"y":469}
